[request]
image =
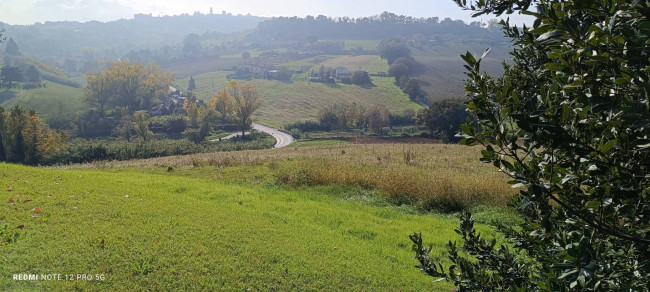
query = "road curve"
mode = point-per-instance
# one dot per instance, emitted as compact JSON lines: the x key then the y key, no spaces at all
{"x":282,"y":139}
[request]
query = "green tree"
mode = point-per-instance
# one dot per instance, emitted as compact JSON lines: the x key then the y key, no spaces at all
{"x":392,"y":49}
{"x":141,"y":125}
{"x":245,"y":55}
{"x":568,"y":122}
{"x":3,"y":134}
{"x":360,"y":77}
{"x":10,"y":76}
{"x":191,"y":85}
{"x":443,"y":119}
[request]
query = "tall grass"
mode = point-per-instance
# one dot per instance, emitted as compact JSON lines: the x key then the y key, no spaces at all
{"x":442,"y":177}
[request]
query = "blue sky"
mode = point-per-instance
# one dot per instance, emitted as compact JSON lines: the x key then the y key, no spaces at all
{"x":31,"y":11}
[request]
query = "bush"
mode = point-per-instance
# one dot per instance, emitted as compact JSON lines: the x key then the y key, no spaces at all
{"x":307,"y":126}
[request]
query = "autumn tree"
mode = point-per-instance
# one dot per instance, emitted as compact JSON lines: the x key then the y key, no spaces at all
{"x":24,"y":138}
{"x":141,"y":125}
{"x":126,"y":84}
{"x":126,"y":126}
{"x":378,"y":118}
{"x":246,"y":101}
{"x":222,"y":103}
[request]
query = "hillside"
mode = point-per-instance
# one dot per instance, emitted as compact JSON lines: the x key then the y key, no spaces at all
{"x":53,"y":101}
{"x":219,"y":226}
{"x":300,"y":99}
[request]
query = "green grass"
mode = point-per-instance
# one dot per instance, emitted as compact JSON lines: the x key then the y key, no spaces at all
{"x":367,"y":45}
{"x":48,"y":101}
{"x":369,"y":63}
{"x":301,"y":100}
{"x":149,"y":229}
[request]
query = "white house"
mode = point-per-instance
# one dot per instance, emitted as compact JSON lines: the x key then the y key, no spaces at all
{"x":340,"y":72}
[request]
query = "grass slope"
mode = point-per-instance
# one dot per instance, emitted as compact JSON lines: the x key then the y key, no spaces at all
{"x":369,"y":63}
{"x":172,"y":231}
{"x":48,"y":102}
{"x":300,"y":100}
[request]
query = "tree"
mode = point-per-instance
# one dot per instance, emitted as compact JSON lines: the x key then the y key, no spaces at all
{"x":191,"y":85}
{"x":443,"y":118}
{"x":3,"y":134}
{"x":222,"y":103}
{"x":568,"y":122}
{"x":11,"y":74}
{"x":126,"y":84}
{"x":392,"y":49}
{"x":12,"y":48}
{"x":360,"y":77}
{"x":245,"y":55}
{"x":141,"y":125}
{"x":399,"y":70}
{"x":246,"y":102}
{"x":378,"y":118}
{"x":98,"y":90}
{"x":32,"y":75}
{"x":125,"y":128}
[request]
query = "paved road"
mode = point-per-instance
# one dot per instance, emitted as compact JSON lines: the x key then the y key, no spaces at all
{"x":282,"y":139}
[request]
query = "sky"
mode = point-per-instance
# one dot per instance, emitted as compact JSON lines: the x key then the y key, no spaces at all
{"x":32,"y":11}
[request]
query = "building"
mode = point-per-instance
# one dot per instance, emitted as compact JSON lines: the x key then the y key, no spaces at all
{"x":341,"y":72}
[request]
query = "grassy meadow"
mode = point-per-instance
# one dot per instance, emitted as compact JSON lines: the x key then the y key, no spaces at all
{"x":240,"y":221}
{"x":366,"y":45}
{"x":53,"y":100}
{"x":368,"y":63}
{"x":300,"y":99}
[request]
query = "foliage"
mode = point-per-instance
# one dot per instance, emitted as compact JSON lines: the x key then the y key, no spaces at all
{"x":191,"y":85}
{"x":377,"y":118}
{"x":443,"y":119}
{"x":307,"y":126}
{"x":126,"y":84}
{"x":568,"y":122}
{"x":222,"y":103}
{"x":393,"y":49}
{"x":246,"y":100}
{"x":81,"y":151}
{"x":24,"y":139}
{"x":10,"y":75}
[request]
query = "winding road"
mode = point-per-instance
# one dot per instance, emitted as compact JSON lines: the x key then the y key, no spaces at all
{"x":282,"y":139}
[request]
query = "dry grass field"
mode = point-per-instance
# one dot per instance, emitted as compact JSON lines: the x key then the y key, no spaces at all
{"x":435,"y":176}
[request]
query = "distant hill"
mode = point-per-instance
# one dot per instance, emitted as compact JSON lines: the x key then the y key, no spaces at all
{"x":113,"y":40}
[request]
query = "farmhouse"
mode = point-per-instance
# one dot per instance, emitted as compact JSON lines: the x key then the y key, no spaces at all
{"x":340,"y":72}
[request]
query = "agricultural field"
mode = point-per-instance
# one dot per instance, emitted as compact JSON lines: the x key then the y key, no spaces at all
{"x":237,"y":221}
{"x":53,"y":100}
{"x":299,"y":99}
{"x":366,"y":45}
{"x":369,"y":63}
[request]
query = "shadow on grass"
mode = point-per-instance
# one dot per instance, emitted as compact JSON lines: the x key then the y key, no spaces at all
{"x":368,"y":85}
{"x":332,"y":84}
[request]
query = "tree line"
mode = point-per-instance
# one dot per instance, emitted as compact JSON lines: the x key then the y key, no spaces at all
{"x":381,"y":26}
